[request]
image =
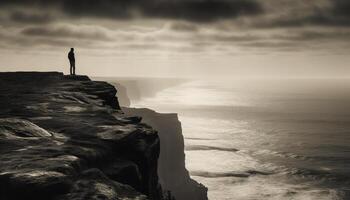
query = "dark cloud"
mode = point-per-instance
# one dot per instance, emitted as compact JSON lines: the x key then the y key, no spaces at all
{"x":293,"y":13}
{"x":290,"y":25}
{"x":203,"y":11}
{"x":317,"y":19}
{"x":314,"y":35}
{"x":337,"y":15}
{"x":23,"y":17}
{"x":192,"y":10}
{"x":66,"y":32}
{"x":233,"y":38}
{"x":341,"y":8}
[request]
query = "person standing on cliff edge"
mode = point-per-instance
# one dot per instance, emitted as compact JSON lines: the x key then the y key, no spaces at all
{"x":71,"y":58}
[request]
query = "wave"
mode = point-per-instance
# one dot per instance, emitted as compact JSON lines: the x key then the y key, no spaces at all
{"x":320,"y":174}
{"x":250,"y":152}
{"x":245,"y":174}
{"x":277,"y":154}
{"x":193,"y":138}
{"x":208,"y":148}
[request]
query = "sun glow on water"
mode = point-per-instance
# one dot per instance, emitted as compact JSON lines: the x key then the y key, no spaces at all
{"x":255,"y":141}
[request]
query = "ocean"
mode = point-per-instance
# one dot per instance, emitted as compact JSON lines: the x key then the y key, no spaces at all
{"x":263,"y":139}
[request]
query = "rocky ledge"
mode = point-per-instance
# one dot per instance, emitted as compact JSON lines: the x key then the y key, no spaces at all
{"x":64,"y":137}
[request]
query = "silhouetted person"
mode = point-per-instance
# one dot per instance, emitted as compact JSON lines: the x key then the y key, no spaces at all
{"x":71,"y":58}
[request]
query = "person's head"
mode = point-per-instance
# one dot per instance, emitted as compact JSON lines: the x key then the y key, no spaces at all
{"x":72,"y":49}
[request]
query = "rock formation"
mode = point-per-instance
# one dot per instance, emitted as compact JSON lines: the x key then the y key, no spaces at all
{"x":172,"y":171}
{"x":63,"y":137}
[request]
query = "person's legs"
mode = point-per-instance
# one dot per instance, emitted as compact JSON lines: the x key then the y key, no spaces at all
{"x":71,"y":68}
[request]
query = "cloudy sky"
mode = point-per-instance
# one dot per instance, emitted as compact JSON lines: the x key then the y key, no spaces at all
{"x":180,"y":38}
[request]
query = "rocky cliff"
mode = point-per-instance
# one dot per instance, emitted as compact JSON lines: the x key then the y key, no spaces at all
{"x":172,"y":171}
{"x":63,"y":137}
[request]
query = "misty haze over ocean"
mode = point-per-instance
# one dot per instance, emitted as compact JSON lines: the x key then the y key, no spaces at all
{"x":264,"y":139}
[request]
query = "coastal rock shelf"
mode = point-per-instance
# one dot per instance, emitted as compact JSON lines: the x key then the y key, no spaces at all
{"x":64,"y":137}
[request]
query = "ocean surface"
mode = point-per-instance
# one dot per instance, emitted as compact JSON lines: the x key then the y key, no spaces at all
{"x":263,"y":139}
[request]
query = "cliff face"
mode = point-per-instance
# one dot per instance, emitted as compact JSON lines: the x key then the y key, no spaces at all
{"x":172,"y":171}
{"x":62,"y":137}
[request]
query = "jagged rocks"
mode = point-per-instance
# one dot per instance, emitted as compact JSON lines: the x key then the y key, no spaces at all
{"x":63,"y":137}
{"x":93,"y":184}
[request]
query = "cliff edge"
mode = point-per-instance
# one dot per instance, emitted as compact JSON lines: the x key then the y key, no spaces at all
{"x":63,"y":137}
{"x":172,"y":172}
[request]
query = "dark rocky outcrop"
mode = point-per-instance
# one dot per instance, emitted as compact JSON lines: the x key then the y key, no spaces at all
{"x":172,"y":171}
{"x":63,"y":137}
{"x":123,"y":96}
